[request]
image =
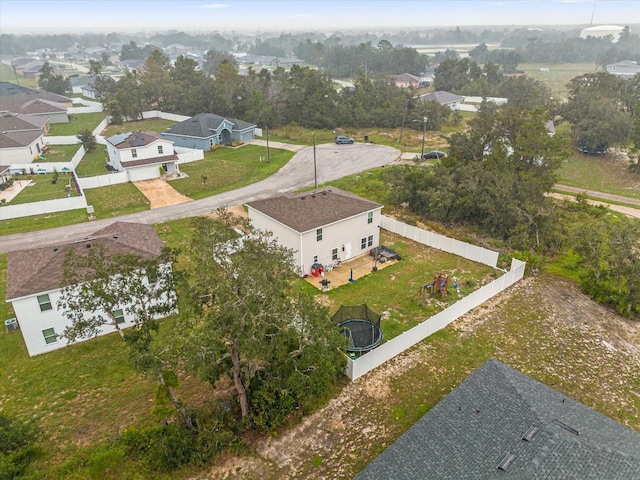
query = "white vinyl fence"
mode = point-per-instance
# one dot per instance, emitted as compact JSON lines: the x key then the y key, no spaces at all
{"x":186,"y":155}
{"x":61,"y":140}
{"x":38,"y":208}
{"x":103,"y":180}
{"x":446,"y":244}
{"x":385,"y":352}
{"x":388,"y":350}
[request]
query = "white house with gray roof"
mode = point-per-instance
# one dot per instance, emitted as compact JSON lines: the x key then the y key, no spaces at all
{"x":451,"y":100}
{"x":35,"y":280}
{"x":207,"y":129}
{"x":322,"y":227}
{"x":141,"y":154}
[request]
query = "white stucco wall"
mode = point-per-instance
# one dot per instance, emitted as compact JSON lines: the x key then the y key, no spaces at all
{"x":21,"y":154}
{"x":116,"y":155}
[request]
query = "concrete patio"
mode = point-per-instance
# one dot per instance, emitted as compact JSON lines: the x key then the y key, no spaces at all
{"x":355,"y":268}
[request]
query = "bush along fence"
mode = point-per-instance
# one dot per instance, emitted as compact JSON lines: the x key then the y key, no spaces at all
{"x":385,"y":352}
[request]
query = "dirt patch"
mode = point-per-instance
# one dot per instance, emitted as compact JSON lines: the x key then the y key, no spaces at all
{"x":160,"y":193}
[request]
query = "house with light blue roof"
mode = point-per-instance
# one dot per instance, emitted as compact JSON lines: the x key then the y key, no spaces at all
{"x":207,"y":129}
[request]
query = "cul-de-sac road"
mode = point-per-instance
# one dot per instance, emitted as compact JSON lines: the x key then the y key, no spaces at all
{"x":332,"y":161}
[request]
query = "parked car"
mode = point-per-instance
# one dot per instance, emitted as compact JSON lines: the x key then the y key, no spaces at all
{"x":340,"y":140}
{"x":437,"y":154}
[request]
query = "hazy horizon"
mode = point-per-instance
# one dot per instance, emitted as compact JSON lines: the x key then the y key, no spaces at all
{"x":192,"y":16}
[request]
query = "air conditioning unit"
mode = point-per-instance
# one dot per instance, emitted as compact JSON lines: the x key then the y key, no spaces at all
{"x":11,"y":324}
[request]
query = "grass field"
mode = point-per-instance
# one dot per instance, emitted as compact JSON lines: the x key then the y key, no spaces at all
{"x":116,"y":200}
{"x":8,"y":75}
{"x":93,"y":163}
{"x":558,"y":75}
{"x":77,"y":123}
{"x":608,"y":173}
{"x":61,"y":153}
{"x":41,"y":189}
{"x":229,"y":168}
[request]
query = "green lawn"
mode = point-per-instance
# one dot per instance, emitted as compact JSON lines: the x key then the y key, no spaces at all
{"x":229,"y":168}
{"x":153,"y":125}
{"x":93,"y":163}
{"x":77,"y":123}
{"x":608,"y":173}
{"x":116,"y":200}
{"x":42,"y":222}
{"x":558,"y":75}
{"x":8,"y":75}
{"x":41,"y":189}
{"x":61,"y":153}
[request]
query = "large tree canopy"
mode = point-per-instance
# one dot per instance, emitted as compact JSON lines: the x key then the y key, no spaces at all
{"x":495,"y":177}
{"x":247,"y":322}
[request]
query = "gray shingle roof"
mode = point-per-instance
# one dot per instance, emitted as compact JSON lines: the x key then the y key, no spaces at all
{"x":204,"y":125}
{"x":441,"y":97}
{"x":41,"y":269}
{"x":481,"y":423}
{"x":311,"y":210}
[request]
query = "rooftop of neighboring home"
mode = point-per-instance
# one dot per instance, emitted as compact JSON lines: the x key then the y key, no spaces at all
{"x":19,"y":139}
{"x":42,"y":269}
{"x":204,"y":125}
{"x":17,"y":122}
{"x":307,"y":211}
{"x":134,"y":139}
{"x":500,"y":423}
{"x":441,"y":97}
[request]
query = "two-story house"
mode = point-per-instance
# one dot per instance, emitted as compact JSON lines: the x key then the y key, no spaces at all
{"x":142,"y":155}
{"x":35,"y":281}
{"x":321,"y":227}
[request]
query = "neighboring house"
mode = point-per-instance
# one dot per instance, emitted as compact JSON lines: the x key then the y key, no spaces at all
{"x":206,"y":130}
{"x":626,"y":69}
{"x":405,"y":80}
{"x":35,"y":279}
{"x":21,"y":137}
{"x":18,"y":99}
{"x":451,"y":100}
{"x":500,"y":423}
{"x":141,"y":154}
{"x":320,"y":227}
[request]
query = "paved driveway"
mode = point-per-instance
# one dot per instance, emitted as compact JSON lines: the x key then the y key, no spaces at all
{"x":332,"y":162}
{"x":160,"y":193}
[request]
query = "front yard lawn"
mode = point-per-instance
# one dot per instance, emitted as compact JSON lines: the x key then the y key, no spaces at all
{"x":77,"y":123}
{"x":229,"y":168}
{"x":116,"y":200}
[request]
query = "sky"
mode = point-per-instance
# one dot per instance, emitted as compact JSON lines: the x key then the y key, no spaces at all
{"x":191,"y":16}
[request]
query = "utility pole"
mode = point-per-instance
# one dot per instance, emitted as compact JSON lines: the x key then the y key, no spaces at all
{"x":424,"y":132}
{"x":267,"y":127}
{"x":315,"y":167}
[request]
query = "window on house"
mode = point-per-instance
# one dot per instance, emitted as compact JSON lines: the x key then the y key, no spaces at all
{"x":315,"y":259}
{"x":118,"y":315}
{"x":334,"y":254}
{"x":49,"y":335}
{"x":160,"y":149}
{"x":45,"y":302}
{"x":318,"y":234}
{"x":370,"y":217}
{"x":134,"y":153}
{"x":369,"y":240}
{"x":363,"y":243}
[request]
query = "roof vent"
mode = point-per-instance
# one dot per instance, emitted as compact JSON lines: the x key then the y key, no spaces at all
{"x":88,"y":245}
{"x":55,"y":249}
{"x":530,"y":434}
{"x":566,"y":427}
{"x":506,"y":461}
{"x":115,"y":236}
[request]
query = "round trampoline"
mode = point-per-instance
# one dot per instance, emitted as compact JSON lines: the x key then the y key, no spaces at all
{"x":362,"y":334}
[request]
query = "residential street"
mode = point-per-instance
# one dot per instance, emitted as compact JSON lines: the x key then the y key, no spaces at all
{"x":333,"y":162}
